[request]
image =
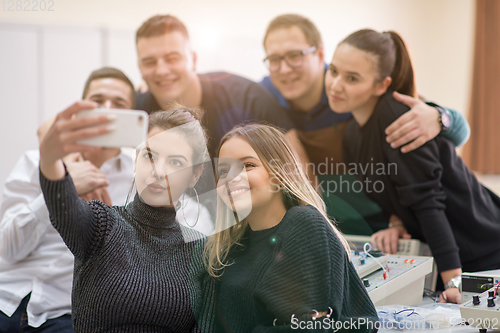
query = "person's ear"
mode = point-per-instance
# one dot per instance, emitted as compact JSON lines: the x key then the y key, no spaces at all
{"x":196,"y":176}
{"x":139,"y":65}
{"x":321,"y":54}
{"x":381,"y":87}
{"x":193,"y":54}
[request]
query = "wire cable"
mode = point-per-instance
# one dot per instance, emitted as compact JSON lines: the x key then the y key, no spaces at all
{"x":368,"y":254}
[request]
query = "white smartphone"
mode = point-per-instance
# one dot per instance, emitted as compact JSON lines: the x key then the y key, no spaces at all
{"x":131,"y":128}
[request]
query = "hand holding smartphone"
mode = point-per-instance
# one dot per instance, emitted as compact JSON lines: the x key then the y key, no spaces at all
{"x":131,"y":128}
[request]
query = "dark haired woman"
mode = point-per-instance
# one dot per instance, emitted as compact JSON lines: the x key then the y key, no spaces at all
{"x":136,"y":268}
{"x":436,"y":196}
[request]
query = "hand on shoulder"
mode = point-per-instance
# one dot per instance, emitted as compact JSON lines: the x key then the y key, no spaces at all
{"x":415,"y":127}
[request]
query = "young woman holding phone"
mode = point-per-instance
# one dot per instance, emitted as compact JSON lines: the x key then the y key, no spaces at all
{"x":136,"y":268}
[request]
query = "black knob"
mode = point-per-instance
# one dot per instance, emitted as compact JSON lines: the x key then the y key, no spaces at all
{"x":491,"y":293}
{"x":366,"y":283}
{"x":491,"y":302}
{"x":475,"y":300}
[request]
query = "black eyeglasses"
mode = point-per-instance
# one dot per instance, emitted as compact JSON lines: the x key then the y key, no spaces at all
{"x":293,"y":59}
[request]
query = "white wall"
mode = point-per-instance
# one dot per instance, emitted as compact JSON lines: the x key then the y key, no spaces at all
{"x":46,"y":56}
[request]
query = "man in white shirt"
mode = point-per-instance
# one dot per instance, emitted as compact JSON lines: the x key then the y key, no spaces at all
{"x":36,"y":267}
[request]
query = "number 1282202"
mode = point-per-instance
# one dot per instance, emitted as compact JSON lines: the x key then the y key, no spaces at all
{"x":28,"y":5}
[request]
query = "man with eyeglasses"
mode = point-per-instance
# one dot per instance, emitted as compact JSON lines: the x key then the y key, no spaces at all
{"x":168,"y":66}
{"x":296,"y":64}
{"x":297,"y":68}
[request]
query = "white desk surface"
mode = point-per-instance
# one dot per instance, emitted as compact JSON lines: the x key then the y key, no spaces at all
{"x":426,"y":301}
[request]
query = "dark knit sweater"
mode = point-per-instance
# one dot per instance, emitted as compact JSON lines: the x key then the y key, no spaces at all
{"x":135,"y":268}
{"x":437,"y":197}
{"x":295,"y":267}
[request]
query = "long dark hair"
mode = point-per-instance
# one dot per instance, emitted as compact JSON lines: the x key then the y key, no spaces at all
{"x":393,"y":57}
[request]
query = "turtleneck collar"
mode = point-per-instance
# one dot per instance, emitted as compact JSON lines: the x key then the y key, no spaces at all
{"x":154,"y":217}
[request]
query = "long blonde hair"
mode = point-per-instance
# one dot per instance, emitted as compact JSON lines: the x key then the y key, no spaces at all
{"x":279,"y":160}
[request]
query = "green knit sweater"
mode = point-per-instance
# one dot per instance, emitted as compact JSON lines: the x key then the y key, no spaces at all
{"x":136,"y":268}
{"x":294,"y":268}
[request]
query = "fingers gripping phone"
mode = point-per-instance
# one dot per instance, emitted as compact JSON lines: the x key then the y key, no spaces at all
{"x":131,"y":128}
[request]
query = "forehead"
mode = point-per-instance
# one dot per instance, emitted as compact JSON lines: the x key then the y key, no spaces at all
{"x":351,"y":59}
{"x":169,"y":142}
{"x":236,"y":148}
{"x":159,"y":45}
{"x":282,"y":40}
{"x":110,"y":87}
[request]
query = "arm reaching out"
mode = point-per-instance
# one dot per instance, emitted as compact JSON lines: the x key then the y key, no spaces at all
{"x":421,"y":124}
{"x":78,"y":222}
{"x":25,"y":218}
{"x":386,"y":240}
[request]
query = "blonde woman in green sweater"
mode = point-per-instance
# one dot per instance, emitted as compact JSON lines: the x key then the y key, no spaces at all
{"x":275,"y":247}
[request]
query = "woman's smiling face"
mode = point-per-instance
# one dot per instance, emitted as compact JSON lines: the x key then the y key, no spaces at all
{"x":244,"y":183}
{"x":351,"y":81}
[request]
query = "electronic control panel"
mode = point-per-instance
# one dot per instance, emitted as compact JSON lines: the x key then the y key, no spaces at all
{"x":477,"y":282}
{"x":483,"y":310}
{"x":393,"y":279}
{"x":406,"y":247}
{"x":365,"y":264}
